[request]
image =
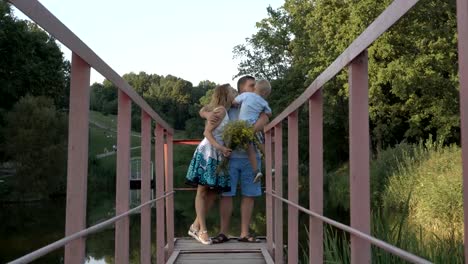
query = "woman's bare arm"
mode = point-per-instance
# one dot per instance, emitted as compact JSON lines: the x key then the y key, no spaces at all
{"x":208,"y":133}
{"x":212,"y":117}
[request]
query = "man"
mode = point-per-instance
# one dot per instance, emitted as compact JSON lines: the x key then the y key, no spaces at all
{"x":241,"y":172}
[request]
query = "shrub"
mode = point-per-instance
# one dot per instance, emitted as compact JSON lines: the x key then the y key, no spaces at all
{"x":432,"y":180}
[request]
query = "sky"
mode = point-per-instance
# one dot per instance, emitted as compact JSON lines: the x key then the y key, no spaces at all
{"x":190,"y":39}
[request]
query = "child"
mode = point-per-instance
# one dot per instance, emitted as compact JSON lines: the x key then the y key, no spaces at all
{"x":251,"y":106}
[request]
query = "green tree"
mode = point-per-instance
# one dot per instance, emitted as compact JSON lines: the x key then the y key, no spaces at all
{"x":103,"y":98}
{"x":37,"y":143}
{"x":201,"y":96}
{"x":266,"y":54}
{"x":412,"y":67}
{"x":31,"y":63}
{"x":175,"y":99}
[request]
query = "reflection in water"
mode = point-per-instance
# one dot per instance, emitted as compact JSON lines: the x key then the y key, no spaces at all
{"x":92,"y":260}
{"x":27,"y":227}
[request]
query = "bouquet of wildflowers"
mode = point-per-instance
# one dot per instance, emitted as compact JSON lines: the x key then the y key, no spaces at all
{"x":237,"y":135}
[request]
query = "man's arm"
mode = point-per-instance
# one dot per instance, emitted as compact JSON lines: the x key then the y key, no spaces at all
{"x":263,"y":119}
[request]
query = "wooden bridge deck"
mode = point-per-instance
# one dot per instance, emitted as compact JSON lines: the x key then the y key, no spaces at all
{"x":187,"y":250}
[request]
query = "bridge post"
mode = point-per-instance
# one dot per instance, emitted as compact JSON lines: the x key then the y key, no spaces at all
{"x":77,"y":167}
{"x":462,"y":26}
{"x":145,"y":244}
{"x":168,"y":157}
{"x":359,"y":157}
{"x":279,"y":191}
{"x":293,"y":187}
{"x":269,"y":198}
{"x":159,"y":166}
{"x":122,"y":227}
{"x":316,"y":176}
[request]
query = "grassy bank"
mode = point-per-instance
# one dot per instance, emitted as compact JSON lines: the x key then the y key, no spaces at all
{"x":416,"y":193}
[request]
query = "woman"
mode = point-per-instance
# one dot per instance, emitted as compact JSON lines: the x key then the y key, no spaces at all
{"x":202,"y":171}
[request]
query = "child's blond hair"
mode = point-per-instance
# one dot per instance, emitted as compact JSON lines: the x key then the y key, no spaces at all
{"x":263,"y":87}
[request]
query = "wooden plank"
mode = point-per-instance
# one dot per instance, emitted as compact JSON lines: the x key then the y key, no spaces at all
{"x":218,"y":261}
{"x":207,"y":251}
{"x":190,"y":251}
{"x":221,"y":255}
{"x":44,"y":18}
{"x":192,"y":245}
{"x":383,"y":22}
{"x":231,"y":258}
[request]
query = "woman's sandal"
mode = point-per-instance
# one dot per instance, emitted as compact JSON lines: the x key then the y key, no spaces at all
{"x":193,"y":232}
{"x":220,"y":238}
{"x":204,"y":242}
{"x":249,"y":239}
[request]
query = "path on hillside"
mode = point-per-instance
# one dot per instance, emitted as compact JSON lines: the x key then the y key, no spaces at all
{"x":110,"y":129}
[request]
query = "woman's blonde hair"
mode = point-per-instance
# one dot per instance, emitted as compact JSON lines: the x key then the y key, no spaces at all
{"x":222,"y":96}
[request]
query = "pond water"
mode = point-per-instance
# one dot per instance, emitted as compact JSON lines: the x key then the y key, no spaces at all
{"x":29,"y":226}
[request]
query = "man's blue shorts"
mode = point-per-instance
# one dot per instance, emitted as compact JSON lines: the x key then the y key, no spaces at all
{"x":240,"y":168}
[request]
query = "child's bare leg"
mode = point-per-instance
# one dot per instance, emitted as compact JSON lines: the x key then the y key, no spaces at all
{"x":252,"y":157}
{"x":253,"y":160}
{"x":262,"y":148}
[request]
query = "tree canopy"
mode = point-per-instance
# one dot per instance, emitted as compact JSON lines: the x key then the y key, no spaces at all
{"x":412,"y":67}
{"x":32,"y":62}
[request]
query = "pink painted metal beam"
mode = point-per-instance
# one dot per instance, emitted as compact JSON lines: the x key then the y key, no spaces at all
{"x":44,"y":18}
{"x":316,"y":176}
{"x":383,"y":22}
{"x":77,"y":167}
{"x":279,"y":191}
{"x":168,"y":158}
{"x":159,"y":166}
{"x":186,"y":141}
{"x":293,"y":187}
{"x":269,"y":199}
{"x":122,"y":234}
{"x":145,"y":244}
{"x":462,"y":24}
{"x":359,"y":157}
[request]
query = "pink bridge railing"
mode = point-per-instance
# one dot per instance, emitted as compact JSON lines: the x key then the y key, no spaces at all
{"x":355,"y":59}
{"x":83,"y":58}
